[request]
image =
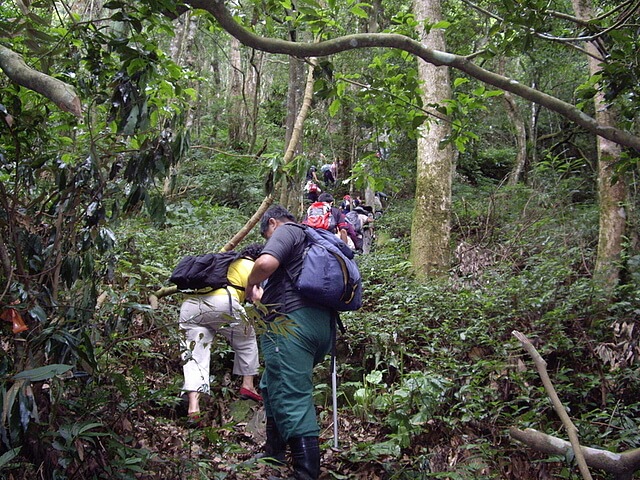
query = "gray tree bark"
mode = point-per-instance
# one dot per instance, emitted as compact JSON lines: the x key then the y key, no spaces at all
{"x":612,"y":195}
{"x":430,"y":231}
{"x":517,"y":119}
{"x":59,"y":92}
{"x":234,"y":96}
{"x":295,"y":95}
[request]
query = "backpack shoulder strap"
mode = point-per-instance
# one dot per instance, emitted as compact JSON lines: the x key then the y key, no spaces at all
{"x":234,"y":257}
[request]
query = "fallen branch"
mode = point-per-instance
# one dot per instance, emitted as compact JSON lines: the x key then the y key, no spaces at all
{"x":255,"y":218}
{"x":620,"y":465}
{"x":572,"y":431}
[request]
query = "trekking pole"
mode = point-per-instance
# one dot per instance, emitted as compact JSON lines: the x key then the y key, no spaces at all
{"x":334,"y":387}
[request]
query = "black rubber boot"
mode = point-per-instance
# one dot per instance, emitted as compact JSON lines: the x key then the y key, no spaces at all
{"x":275,"y":448}
{"x":305,"y":453}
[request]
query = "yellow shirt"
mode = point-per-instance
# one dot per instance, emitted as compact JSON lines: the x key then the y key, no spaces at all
{"x":238,"y":274}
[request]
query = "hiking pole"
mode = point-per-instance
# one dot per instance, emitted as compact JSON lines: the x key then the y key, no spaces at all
{"x":334,"y":387}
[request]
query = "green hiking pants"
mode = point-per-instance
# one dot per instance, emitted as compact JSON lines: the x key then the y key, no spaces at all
{"x":287,"y":382}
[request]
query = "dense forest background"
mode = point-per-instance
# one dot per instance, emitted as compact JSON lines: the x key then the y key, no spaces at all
{"x":134,"y":133}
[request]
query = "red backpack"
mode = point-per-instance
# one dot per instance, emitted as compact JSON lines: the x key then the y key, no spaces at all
{"x":319,"y":216}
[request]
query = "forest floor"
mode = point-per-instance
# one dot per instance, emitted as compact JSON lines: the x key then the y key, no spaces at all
{"x":230,"y":435}
{"x":231,"y":432}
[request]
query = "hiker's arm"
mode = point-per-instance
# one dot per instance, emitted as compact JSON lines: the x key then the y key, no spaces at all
{"x":262,"y":269}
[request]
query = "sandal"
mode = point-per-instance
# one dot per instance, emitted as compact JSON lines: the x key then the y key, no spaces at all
{"x":196,"y":420}
{"x":247,"y":394}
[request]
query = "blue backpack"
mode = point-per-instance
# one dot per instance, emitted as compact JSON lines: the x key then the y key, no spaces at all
{"x":329,"y":275}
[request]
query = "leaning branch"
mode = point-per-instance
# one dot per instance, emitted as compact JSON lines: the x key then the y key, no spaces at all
{"x":438,"y":58}
{"x":59,"y":92}
{"x":268,"y":200}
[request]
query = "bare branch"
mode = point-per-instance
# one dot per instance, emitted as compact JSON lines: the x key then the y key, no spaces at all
{"x":621,"y":465}
{"x":572,"y":431}
{"x":59,"y":92}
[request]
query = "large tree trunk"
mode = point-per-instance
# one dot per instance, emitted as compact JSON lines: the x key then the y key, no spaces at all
{"x":430,"y":231}
{"x":612,"y":196}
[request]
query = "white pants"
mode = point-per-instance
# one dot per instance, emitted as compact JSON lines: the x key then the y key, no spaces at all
{"x":201,"y":318}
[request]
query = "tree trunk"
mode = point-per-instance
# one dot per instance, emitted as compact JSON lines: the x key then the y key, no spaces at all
{"x":521,"y":139}
{"x":533,"y":133}
{"x":180,"y":49}
{"x":612,"y":196}
{"x":517,"y":119}
{"x":254,"y":84}
{"x":234,"y":100}
{"x":430,"y":231}
{"x":295,"y":94}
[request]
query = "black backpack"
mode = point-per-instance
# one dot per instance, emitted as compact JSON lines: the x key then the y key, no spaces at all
{"x":204,"y":271}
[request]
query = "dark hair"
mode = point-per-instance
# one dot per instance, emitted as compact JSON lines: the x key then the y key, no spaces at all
{"x":279,"y":213}
{"x":252,"y":251}
{"x":325,"y":197}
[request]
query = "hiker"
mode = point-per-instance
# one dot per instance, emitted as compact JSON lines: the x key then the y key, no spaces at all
{"x":343,"y":228}
{"x":327,"y":174}
{"x":365,"y":215}
{"x":312,"y":190}
{"x":289,"y":357}
{"x":334,"y":170}
{"x":362,"y":221}
{"x":345,"y":204}
{"x":202,"y":315}
{"x":359,"y":218}
{"x":312,"y":175}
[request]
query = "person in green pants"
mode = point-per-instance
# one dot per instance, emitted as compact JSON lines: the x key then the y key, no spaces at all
{"x":287,"y":381}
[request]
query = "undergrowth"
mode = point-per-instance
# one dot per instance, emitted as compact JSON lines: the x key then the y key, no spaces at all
{"x":431,"y":378}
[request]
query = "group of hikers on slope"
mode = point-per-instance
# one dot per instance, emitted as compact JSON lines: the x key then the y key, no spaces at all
{"x":352,"y":218}
{"x":264,"y":274}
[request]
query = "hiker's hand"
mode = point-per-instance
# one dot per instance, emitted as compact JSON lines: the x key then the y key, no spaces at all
{"x":254,"y":293}
{"x":258,"y":291}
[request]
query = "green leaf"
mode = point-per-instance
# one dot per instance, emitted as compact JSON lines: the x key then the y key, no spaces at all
{"x":8,"y":456}
{"x":334,"y":107}
{"x":42,"y":373}
{"x":38,"y":313}
{"x":479,"y":91}
{"x":441,"y":24}
{"x":359,"y":12}
{"x":374,"y":377}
